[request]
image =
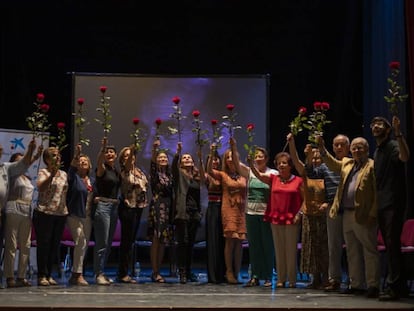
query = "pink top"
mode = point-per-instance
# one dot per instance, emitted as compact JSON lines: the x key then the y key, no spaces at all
{"x":285,"y":200}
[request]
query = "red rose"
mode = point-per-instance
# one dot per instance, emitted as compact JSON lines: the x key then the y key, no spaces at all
{"x":196,"y":113}
{"x":302,"y":110}
{"x":158,"y":121}
{"x":61,"y":125}
{"x":135,"y":121}
{"x":394,"y":65}
{"x":214,"y":122}
{"x":230,"y":107}
{"x":40,"y":97}
{"x":317,"y":105}
{"x":44,"y":107}
{"x":176,"y":100}
{"x":250,"y":127}
{"x":325,"y":106}
{"x":103,"y":89}
{"x":80,"y":101}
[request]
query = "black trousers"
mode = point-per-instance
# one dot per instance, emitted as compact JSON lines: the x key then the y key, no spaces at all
{"x":49,"y":230}
{"x":130,"y":219}
{"x":185,"y":234}
{"x":216,"y":268}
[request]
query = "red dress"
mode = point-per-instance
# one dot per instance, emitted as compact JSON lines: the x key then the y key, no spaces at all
{"x":285,"y":200}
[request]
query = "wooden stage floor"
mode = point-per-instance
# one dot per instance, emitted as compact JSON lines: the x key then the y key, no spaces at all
{"x":172,"y":295}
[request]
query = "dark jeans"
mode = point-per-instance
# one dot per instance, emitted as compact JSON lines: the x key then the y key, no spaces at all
{"x":185,"y":233}
{"x":130,"y":219}
{"x":49,"y":230}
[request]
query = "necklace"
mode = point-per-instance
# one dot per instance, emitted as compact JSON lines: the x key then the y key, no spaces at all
{"x":234,"y":176}
{"x":284,"y":180}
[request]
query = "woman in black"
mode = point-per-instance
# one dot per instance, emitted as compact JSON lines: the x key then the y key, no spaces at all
{"x":187,"y":179}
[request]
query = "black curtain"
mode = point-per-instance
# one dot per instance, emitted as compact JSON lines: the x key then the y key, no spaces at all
{"x":385,"y":40}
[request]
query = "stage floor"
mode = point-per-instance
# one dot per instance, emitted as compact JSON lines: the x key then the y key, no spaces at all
{"x":172,"y":295}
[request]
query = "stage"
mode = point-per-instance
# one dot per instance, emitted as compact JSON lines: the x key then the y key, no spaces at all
{"x":172,"y":295}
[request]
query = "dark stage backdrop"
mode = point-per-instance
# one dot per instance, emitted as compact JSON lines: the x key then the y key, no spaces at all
{"x":148,"y":97}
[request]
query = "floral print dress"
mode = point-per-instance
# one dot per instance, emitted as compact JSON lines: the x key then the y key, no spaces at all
{"x":160,"y":210}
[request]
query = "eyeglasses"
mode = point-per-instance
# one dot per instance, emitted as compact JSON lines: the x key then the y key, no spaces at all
{"x":377,"y":124}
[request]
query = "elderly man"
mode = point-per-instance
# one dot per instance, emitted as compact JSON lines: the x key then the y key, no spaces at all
{"x":356,"y":197}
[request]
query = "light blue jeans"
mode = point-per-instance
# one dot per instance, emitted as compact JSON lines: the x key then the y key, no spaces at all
{"x":104,"y":224}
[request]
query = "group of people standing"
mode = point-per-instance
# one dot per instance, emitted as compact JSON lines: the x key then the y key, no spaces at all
{"x":333,"y":201}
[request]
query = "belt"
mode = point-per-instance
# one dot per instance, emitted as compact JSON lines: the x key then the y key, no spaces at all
{"x":109,"y":200}
{"x":214,"y":198}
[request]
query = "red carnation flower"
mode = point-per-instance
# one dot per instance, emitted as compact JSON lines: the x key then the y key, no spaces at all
{"x":176,"y":100}
{"x":135,"y":121}
{"x":250,"y":127}
{"x":395,"y":65}
{"x":80,"y":101}
{"x":158,"y":121}
{"x":44,"y":107}
{"x":61,"y":125}
{"x":325,"y":106}
{"x":196,"y":113}
{"x":40,"y":97}
{"x":103,"y":89}
{"x":214,"y":122}
{"x":302,"y":110}
{"x":230,"y":107}
{"x":317,"y":105}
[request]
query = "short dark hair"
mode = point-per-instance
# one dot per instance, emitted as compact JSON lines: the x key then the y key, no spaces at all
{"x":381,"y":119}
{"x":112,"y":147}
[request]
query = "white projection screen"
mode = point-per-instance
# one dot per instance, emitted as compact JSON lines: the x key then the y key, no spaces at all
{"x":148,"y":97}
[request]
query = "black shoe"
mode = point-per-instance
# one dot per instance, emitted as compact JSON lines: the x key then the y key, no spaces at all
{"x":389,"y":295}
{"x":353,"y":291}
{"x":183,"y":277}
{"x":253,"y":282}
{"x":333,"y":287}
{"x":372,"y":292}
{"x":191,"y":277}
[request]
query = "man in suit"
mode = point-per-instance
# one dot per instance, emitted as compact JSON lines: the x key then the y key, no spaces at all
{"x":356,"y":198}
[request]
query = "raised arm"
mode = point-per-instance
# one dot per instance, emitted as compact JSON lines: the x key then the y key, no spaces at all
{"x":76,"y":155}
{"x":201,"y":165}
{"x":100,"y":168}
{"x":332,"y":163}
{"x":129,"y":163}
{"x":261,"y":176}
{"x":299,"y":165}
{"x":155,"y":146}
{"x":241,"y":168}
{"x":404,"y":154}
{"x":27,"y":158}
{"x":210,"y":170}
